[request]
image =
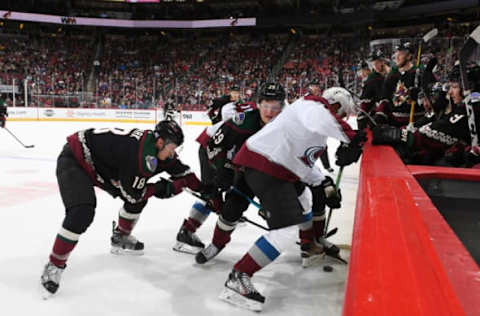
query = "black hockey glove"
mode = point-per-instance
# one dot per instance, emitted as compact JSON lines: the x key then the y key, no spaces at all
{"x":386,"y":135}
{"x":472,"y":158}
{"x":224,"y":178}
{"x":333,"y":197}
{"x":349,"y":153}
{"x":164,"y":189}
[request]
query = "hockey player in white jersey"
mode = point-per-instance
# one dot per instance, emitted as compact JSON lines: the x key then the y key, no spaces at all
{"x":277,"y":162}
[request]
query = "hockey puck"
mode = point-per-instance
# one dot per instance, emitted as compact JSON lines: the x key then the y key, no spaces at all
{"x":327,"y":268}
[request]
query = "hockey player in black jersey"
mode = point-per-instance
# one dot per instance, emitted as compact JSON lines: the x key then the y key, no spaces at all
{"x":215,"y":107}
{"x":3,"y":111}
{"x":187,"y":240}
{"x":120,"y":162}
{"x":443,"y":141}
{"x":372,"y":86}
{"x":399,"y":91}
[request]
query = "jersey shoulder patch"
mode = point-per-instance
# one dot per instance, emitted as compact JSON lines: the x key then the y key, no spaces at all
{"x":238,"y":118}
{"x":148,"y":153}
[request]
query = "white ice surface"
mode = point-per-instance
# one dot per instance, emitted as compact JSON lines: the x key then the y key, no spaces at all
{"x":162,"y":282}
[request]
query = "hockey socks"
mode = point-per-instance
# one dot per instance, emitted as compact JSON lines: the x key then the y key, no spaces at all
{"x":198,"y":215}
{"x":127,"y":221}
{"x":63,"y":246}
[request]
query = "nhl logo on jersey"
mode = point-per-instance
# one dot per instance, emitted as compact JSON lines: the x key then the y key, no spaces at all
{"x":151,"y":163}
{"x":238,"y":118}
{"x":311,"y":155}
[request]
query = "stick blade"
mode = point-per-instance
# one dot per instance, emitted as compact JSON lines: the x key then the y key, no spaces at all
{"x":430,"y":35}
{"x":476,"y":34}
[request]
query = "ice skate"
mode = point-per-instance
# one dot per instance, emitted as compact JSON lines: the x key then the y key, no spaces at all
{"x":188,"y":242}
{"x":207,"y":254}
{"x":240,"y":292}
{"x":331,"y":250}
{"x":50,"y":280}
{"x":312,"y":253}
{"x":123,"y":244}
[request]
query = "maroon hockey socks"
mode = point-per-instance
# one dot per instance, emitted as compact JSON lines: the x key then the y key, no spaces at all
{"x":63,"y":246}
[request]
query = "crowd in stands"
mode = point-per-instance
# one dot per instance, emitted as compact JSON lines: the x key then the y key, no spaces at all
{"x":146,"y":72}
{"x":51,"y":65}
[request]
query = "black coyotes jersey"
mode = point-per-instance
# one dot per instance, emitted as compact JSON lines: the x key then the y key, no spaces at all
{"x":121,"y":161}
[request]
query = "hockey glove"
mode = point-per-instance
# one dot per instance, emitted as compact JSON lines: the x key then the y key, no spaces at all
{"x":214,"y":201}
{"x":2,"y":121}
{"x":456,"y":155}
{"x":472,"y":157}
{"x":386,"y":135}
{"x":224,"y":178}
{"x":189,"y":180}
{"x":164,"y":189}
{"x":349,"y":153}
{"x":333,"y":196}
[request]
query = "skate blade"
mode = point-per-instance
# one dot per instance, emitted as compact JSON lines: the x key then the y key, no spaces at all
{"x":232,"y":297}
{"x":44,"y":293}
{"x":338,"y":259}
{"x":312,"y":260}
{"x":186,"y":248}
{"x":125,"y":252}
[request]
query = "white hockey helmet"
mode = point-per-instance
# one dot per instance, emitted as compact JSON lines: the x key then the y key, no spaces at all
{"x":342,"y":97}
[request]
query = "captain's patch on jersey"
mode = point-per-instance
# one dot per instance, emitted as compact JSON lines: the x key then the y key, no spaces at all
{"x":238,"y":118}
{"x":151,"y":163}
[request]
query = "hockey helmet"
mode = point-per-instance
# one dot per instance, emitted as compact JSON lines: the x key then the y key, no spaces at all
{"x":234,"y":87}
{"x":454,"y":74}
{"x":375,"y":55}
{"x":472,"y":75}
{"x":407,"y":46}
{"x":341,"y":96}
{"x":272,"y":91}
{"x":363,"y":65}
{"x":169,"y":131}
{"x":436,"y":94}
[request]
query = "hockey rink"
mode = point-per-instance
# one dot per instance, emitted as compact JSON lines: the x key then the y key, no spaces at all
{"x":162,"y":282}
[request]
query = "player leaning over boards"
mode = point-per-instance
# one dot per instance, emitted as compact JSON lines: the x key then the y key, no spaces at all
{"x":278,"y":161}
{"x":119,"y":162}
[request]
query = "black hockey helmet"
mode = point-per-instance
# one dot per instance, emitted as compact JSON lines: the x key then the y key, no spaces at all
{"x":314,"y":82}
{"x":169,"y":131}
{"x":375,"y":55}
{"x":234,"y":87}
{"x":272,"y":91}
{"x":362,"y":65}
{"x":407,"y":46}
{"x":454,"y":74}
{"x":437,"y":95}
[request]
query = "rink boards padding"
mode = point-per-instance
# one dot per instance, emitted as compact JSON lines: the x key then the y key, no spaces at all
{"x":405,"y":257}
{"x":102,"y":115}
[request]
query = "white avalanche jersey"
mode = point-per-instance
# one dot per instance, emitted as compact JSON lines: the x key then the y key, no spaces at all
{"x":296,"y":138}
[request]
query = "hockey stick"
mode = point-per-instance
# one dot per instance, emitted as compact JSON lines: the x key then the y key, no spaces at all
{"x":474,"y":97}
{"x":358,"y":108}
{"x":243,"y":218}
{"x":18,"y":140}
{"x":427,"y":37}
{"x":339,"y":176}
